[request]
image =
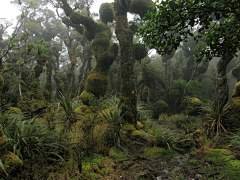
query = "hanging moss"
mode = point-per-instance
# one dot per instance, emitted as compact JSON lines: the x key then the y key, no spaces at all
{"x":140,"y":51}
{"x":106,"y":12}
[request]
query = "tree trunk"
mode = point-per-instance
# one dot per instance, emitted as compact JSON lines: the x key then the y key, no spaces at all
{"x":128,"y":95}
{"x":221,"y":96}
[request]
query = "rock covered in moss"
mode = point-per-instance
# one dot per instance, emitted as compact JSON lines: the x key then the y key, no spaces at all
{"x":106,"y":12}
{"x":193,"y":106}
{"x":11,"y":162}
{"x":160,"y":107}
{"x":138,"y":133}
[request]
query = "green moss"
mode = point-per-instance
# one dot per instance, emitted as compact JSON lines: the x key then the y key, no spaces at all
{"x":115,"y":153}
{"x":85,"y":97}
{"x":106,"y":12}
{"x":15,"y":110}
{"x":138,"y":133}
{"x":3,"y":139}
{"x":236,"y":92}
{"x":229,"y":166}
{"x":139,"y":125}
{"x":155,"y":152}
{"x":83,"y":110}
{"x":129,"y":127}
{"x":160,"y":107}
{"x":198,"y":136}
{"x":97,"y":82}
{"x":11,"y":163}
{"x":193,"y":105}
{"x":104,"y":54}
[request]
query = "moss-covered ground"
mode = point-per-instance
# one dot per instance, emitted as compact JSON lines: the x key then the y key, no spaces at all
{"x":90,"y":147}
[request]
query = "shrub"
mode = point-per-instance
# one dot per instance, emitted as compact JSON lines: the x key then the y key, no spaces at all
{"x":158,"y":137}
{"x":193,"y":106}
{"x":160,"y":107}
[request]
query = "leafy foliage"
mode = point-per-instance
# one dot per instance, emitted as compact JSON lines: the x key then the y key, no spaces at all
{"x":24,"y":135}
{"x":172,"y":21}
{"x":215,"y":115}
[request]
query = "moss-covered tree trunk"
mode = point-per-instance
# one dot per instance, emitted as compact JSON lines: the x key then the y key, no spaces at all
{"x":104,"y":53}
{"x":128,"y":95}
{"x":47,"y":93}
{"x":59,"y":83}
{"x":85,"y":68}
{"x":221,"y":96}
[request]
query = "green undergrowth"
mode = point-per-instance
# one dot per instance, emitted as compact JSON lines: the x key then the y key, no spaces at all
{"x":116,"y":153}
{"x":223,"y":164}
{"x":158,"y":152}
{"x":94,"y":168}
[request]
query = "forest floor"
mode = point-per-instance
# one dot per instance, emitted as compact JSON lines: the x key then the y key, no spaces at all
{"x":155,"y":163}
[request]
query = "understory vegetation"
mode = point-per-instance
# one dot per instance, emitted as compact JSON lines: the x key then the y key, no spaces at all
{"x":89,"y":143}
{"x":82,"y":95}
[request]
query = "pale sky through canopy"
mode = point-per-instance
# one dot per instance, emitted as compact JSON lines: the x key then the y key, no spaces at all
{"x":10,"y":12}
